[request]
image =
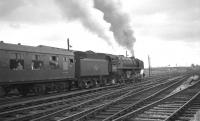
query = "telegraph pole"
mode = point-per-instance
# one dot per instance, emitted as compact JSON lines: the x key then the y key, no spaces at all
{"x":149,"y":61}
{"x":68,"y":44}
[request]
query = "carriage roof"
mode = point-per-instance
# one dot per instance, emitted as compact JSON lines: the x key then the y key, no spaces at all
{"x":32,"y":49}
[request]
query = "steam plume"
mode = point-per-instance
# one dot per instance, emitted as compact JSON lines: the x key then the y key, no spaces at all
{"x":120,"y":23}
{"x":83,"y":11}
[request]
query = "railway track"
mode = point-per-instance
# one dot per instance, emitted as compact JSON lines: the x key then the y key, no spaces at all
{"x":29,"y":111}
{"x":17,"y":98}
{"x":29,"y":101}
{"x":166,"y":108}
{"x":68,"y":115}
{"x":131,"y":102}
{"x":188,"y":111}
{"x":16,"y":101}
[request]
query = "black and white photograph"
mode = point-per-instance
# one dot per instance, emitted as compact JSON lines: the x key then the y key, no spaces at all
{"x":99,"y":60}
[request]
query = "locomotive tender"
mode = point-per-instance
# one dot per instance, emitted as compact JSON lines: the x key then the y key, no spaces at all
{"x":43,"y":69}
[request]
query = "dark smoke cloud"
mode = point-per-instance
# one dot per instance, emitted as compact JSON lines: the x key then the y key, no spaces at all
{"x":120,"y":22}
{"x":83,"y":11}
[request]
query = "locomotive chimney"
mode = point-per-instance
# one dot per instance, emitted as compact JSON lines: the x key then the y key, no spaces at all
{"x":126,"y":54}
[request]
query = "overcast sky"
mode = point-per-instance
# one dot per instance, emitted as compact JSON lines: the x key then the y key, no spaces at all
{"x":167,"y":30}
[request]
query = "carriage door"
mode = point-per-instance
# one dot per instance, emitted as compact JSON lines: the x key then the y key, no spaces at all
{"x":65,"y":64}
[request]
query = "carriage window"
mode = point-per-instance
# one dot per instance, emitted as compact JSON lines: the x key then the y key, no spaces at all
{"x":53,"y":62}
{"x":16,"y":61}
{"x":37,"y":63}
{"x":71,"y":61}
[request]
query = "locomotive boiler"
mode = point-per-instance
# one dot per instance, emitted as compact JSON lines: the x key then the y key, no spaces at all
{"x":126,"y":68}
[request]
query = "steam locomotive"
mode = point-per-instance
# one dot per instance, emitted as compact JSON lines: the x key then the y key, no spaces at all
{"x":42,"y":69}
